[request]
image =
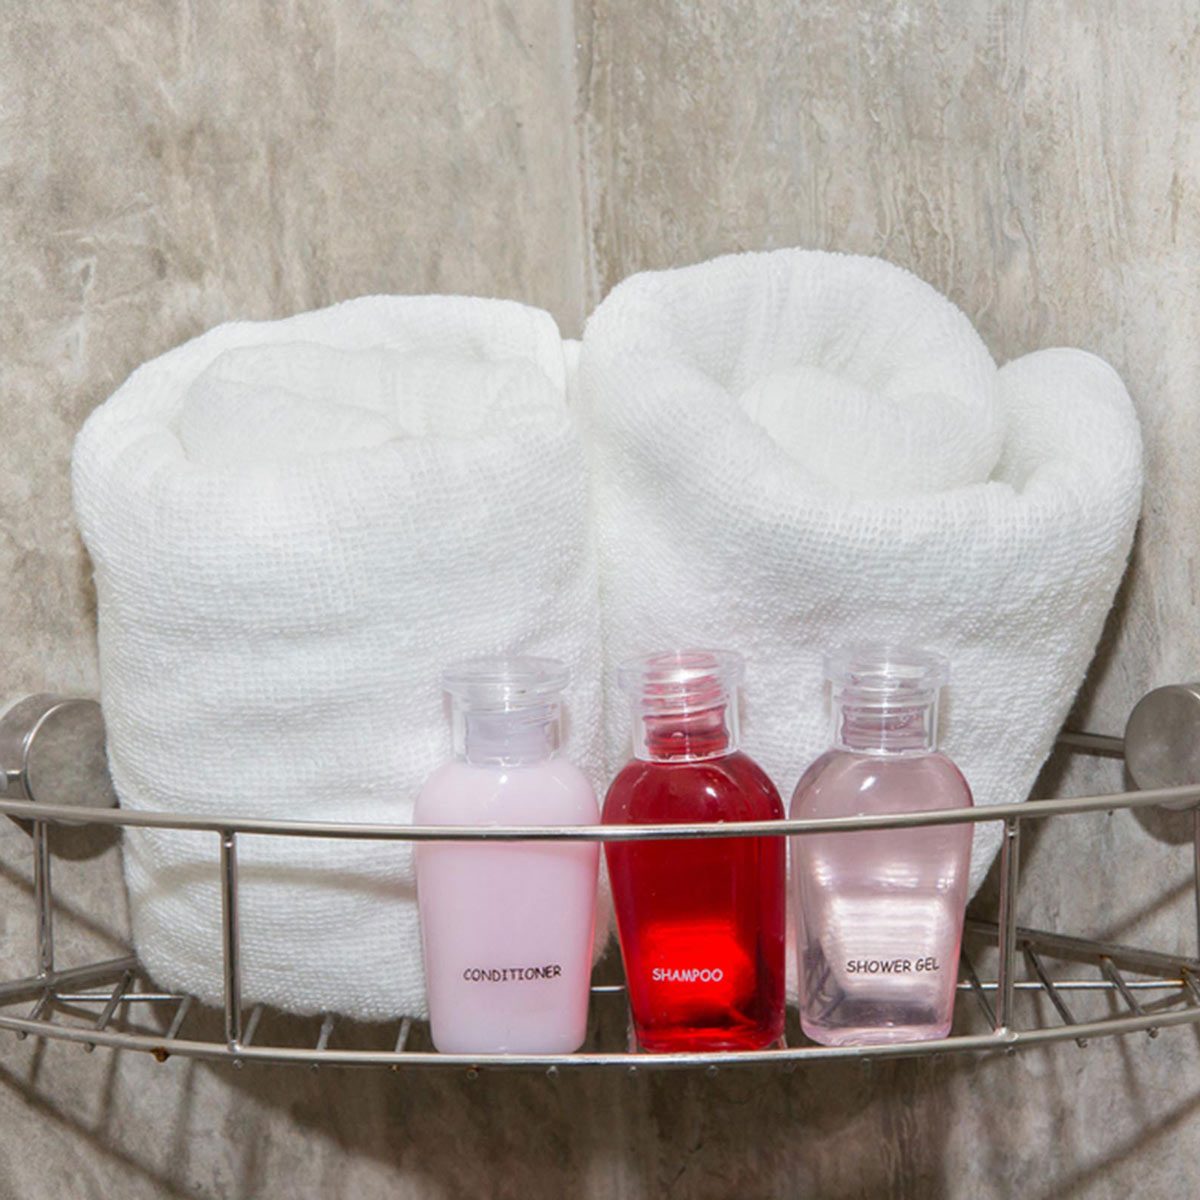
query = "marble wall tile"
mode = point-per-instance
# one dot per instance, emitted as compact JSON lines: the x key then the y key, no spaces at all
{"x":164,"y":167}
{"x":167,"y":166}
{"x":1038,"y":163}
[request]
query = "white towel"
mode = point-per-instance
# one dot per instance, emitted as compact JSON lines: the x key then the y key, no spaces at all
{"x":794,"y":450}
{"x":295,"y":526}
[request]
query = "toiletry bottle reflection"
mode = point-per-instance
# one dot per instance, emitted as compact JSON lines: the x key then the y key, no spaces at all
{"x":879,"y":915}
{"x":507,"y":927}
{"x":701,"y":921}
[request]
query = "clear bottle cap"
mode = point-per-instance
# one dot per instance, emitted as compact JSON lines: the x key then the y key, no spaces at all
{"x":885,"y":673}
{"x":885,"y":695}
{"x":684,"y":702}
{"x":506,"y":710}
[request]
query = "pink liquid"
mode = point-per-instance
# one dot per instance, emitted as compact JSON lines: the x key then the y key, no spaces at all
{"x":701,"y":922}
{"x":507,"y":927}
{"x":879,"y":915}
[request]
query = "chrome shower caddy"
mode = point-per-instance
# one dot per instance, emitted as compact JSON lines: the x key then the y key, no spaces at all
{"x":112,"y":1002}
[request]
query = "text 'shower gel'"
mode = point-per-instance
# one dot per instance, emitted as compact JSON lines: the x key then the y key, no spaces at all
{"x":796,"y":450}
{"x":294,"y":525}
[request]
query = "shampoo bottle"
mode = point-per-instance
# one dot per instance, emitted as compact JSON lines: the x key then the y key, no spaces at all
{"x":701,"y":921}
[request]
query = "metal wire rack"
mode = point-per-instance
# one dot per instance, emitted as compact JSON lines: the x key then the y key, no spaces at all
{"x":113,"y":1003}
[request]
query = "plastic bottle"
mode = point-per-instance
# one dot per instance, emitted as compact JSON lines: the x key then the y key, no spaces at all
{"x":701,"y":921}
{"x":507,"y":927}
{"x":879,"y":915}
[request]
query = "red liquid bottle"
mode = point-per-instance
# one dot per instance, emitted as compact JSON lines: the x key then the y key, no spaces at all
{"x":701,"y":921}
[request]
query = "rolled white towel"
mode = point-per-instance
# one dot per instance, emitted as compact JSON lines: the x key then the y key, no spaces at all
{"x":793,"y":450}
{"x":294,"y":526}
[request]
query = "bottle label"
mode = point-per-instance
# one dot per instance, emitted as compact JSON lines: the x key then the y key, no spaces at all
{"x":687,"y":974}
{"x":892,"y":966}
{"x":511,"y":974}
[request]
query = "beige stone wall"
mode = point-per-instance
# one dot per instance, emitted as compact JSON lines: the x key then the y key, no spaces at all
{"x":170,"y":166}
{"x":167,"y":166}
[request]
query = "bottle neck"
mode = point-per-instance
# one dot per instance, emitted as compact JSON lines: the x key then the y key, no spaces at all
{"x":686,"y":737}
{"x":904,"y":728}
{"x":508,"y":739}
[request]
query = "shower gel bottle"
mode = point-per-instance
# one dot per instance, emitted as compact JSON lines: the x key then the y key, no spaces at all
{"x":507,"y":927}
{"x":701,"y":921}
{"x":879,"y":915}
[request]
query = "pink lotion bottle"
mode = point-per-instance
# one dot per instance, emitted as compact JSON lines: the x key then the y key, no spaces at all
{"x":507,"y":927}
{"x":879,"y":915}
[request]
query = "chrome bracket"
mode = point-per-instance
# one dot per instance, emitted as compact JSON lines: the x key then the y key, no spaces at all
{"x":1162,"y":739}
{"x":52,"y":748}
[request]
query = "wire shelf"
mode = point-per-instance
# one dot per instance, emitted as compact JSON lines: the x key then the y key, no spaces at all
{"x":1045,"y":986}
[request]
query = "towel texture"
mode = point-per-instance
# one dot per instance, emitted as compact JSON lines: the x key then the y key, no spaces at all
{"x":795,"y":449}
{"x":294,"y":527}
